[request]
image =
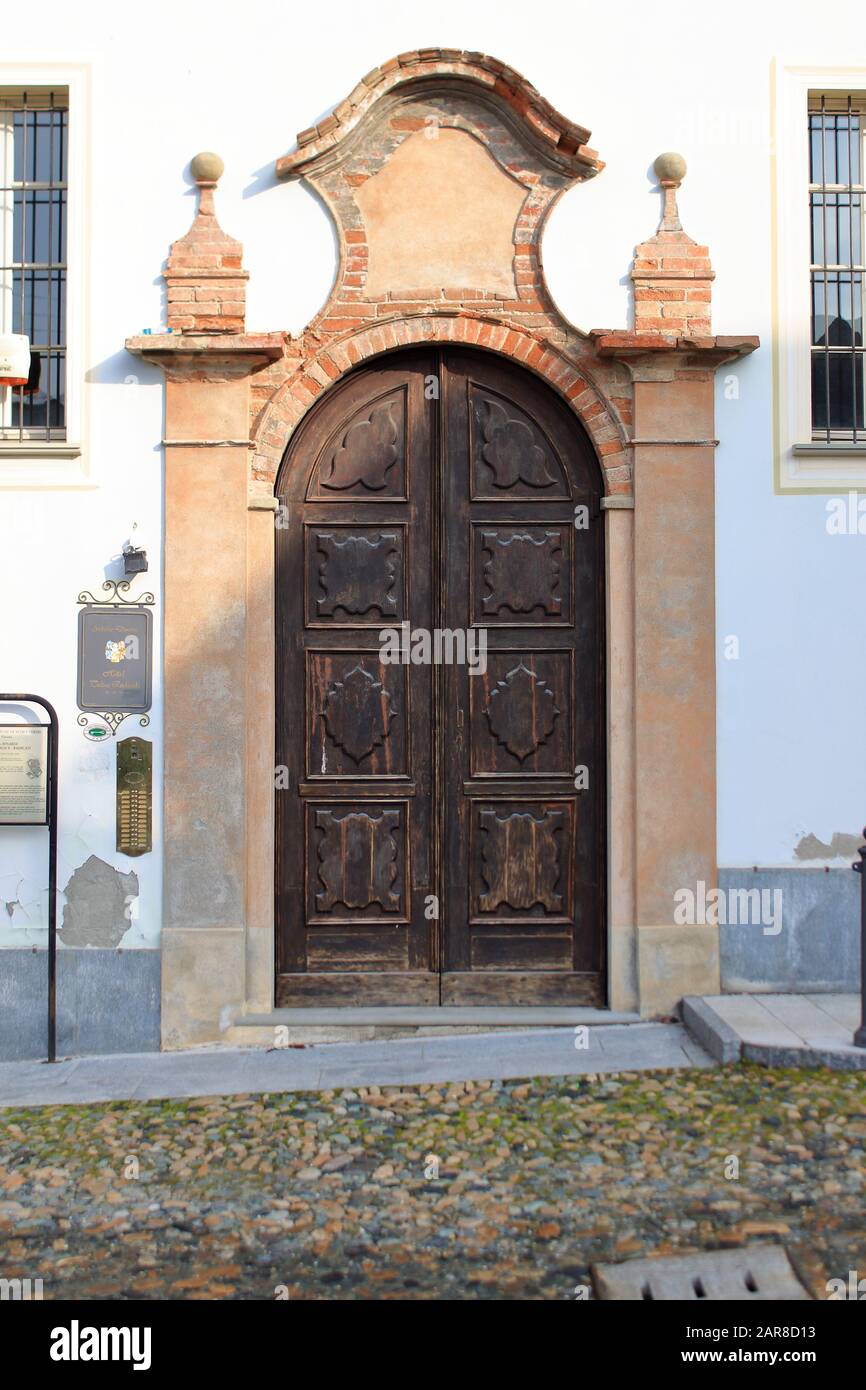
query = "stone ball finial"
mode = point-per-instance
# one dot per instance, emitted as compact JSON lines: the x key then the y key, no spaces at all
{"x":206,"y":167}
{"x":670,"y":167}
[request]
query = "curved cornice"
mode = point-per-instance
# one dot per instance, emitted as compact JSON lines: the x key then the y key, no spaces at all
{"x":561,"y":142}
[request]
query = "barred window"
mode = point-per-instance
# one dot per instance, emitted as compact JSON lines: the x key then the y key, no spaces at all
{"x":33,"y":232}
{"x":836,"y":200}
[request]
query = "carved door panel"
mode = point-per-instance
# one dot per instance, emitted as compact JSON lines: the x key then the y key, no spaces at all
{"x":524,"y":824}
{"x":354,"y":849}
{"x":432,"y":845}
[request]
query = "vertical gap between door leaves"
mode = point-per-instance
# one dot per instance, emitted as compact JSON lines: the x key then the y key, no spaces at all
{"x":438,"y":577}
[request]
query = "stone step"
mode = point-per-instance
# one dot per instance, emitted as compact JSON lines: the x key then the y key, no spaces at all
{"x":778,"y":1030}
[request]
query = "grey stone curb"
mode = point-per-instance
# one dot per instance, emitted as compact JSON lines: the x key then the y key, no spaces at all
{"x":836,"y":1059}
{"x":712,"y":1032}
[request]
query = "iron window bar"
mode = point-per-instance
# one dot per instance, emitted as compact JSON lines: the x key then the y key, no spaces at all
{"x":34,"y":286}
{"x":841,"y":404}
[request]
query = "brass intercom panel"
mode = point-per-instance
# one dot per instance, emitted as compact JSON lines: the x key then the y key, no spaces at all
{"x":134,"y":796}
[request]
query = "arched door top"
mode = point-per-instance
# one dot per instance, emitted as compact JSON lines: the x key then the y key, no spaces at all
{"x":574,"y":382}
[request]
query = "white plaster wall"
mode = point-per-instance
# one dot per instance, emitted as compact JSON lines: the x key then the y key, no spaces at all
{"x":174,"y":78}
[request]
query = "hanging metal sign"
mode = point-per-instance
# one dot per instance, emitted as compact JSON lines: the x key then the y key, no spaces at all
{"x":23,"y":774}
{"x":115,"y":656}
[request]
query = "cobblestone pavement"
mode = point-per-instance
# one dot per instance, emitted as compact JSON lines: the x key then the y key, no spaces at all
{"x":336,"y":1194}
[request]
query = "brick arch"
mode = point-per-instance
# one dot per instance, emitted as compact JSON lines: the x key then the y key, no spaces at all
{"x":328,"y":363}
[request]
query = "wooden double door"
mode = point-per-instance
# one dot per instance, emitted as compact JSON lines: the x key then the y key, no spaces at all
{"x":440,"y":693}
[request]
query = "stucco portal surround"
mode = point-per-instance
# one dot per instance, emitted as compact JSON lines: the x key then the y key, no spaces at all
{"x":431,"y":120}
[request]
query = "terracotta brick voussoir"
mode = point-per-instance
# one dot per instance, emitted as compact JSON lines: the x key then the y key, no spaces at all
{"x":569,"y":371}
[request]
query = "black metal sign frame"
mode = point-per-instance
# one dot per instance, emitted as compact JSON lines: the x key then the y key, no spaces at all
{"x":53,"y":728}
{"x":112,"y":606}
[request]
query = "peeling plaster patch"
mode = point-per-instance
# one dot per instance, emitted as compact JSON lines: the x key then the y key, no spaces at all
{"x":841,"y":846}
{"x":97,"y":905}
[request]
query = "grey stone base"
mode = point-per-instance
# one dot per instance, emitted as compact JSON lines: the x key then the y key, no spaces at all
{"x":107,"y":1001}
{"x":818,"y":948}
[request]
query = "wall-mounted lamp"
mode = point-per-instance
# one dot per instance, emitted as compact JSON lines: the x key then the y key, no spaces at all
{"x":134,"y":560}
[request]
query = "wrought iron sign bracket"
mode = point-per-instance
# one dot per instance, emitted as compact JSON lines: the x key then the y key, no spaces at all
{"x":119,"y":647}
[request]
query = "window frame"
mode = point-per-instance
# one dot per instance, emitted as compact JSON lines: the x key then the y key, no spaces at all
{"x":827,"y":197}
{"x":14,"y":251}
{"x":61,"y":463}
{"x":803,"y":463}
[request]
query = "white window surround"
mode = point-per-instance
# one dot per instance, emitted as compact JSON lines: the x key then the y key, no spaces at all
{"x":802,"y":465}
{"x":61,"y":464}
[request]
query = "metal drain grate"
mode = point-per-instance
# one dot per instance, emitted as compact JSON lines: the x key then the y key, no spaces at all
{"x":757,"y":1272}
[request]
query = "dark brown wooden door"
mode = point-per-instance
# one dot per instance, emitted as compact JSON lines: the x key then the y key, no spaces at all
{"x":437,"y":837}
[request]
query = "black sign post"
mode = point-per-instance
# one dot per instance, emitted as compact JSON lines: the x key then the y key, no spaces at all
{"x":860,"y":1035}
{"x":53,"y":732}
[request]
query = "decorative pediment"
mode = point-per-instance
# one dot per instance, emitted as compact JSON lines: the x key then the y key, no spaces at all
{"x":558,"y":141}
{"x":439,"y":170}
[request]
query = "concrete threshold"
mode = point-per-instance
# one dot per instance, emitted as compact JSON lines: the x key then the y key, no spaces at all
{"x":407,"y":1016}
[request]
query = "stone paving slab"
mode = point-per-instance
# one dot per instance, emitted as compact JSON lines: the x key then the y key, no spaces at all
{"x":813,"y":1025}
{"x":405,"y":1061}
{"x":778,"y":1030}
{"x":845,"y":1008}
{"x":752,"y":1020}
